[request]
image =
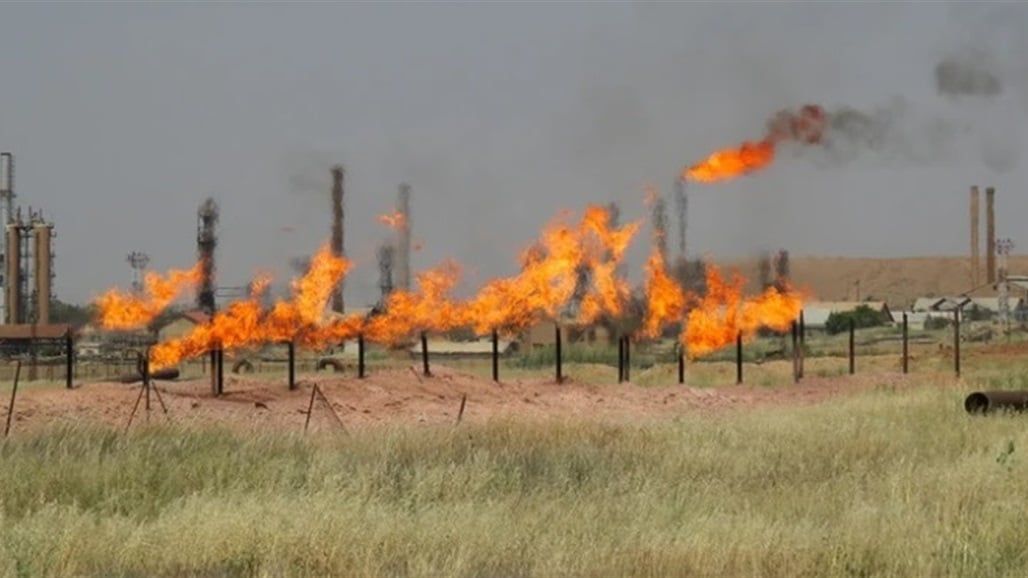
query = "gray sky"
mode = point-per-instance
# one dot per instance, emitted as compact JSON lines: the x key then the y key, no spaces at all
{"x":123,"y":118}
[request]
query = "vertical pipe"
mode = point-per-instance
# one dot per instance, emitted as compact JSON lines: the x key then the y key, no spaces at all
{"x":803,"y":342}
{"x":853,"y":361}
{"x":424,"y":355}
{"x":990,"y":234}
{"x":557,"y":344}
{"x":214,"y":371}
{"x":360,"y":356}
{"x":621,"y":358}
{"x":795,"y":358}
{"x":956,"y":340}
{"x":628,"y":359}
{"x":738,"y":357}
{"x":221,"y":371}
{"x":975,"y":237}
{"x":69,"y":366}
{"x":496,"y":356}
{"x":292,"y":365}
{"x":146,"y":380}
{"x":681,"y":364}
{"x":906,"y":351}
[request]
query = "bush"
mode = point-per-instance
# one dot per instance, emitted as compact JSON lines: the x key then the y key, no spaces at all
{"x":863,"y":316}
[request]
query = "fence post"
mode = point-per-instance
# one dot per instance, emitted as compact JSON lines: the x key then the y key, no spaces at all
{"x":738,"y":357}
{"x":853,"y":360}
{"x":557,"y":344}
{"x":956,"y":341}
{"x":905,"y":346}
{"x":292,"y":364}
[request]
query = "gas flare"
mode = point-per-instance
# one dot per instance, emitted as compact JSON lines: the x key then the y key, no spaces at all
{"x":807,"y":126}
{"x":429,"y":308}
{"x":665,"y":300}
{"x":246,"y":324}
{"x":395,"y":221}
{"x":119,"y":310}
{"x":723,"y":313}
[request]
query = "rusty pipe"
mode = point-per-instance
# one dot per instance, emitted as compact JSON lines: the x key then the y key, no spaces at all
{"x":161,"y":374}
{"x":989,"y":401}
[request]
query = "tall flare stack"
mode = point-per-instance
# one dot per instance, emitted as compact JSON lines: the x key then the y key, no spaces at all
{"x":42,"y":234}
{"x":206,"y":242}
{"x":975,"y":254}
{"x":990,"y":234}
{"x":403,"y":242}
{"x":337,"y":231}
{"x":681,"y":211}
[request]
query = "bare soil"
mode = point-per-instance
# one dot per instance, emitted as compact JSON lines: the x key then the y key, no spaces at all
{"x":403,"y":396}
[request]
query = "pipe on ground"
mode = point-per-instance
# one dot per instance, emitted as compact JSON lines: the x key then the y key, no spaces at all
{"x":161,"y":374}
{"x":989,"y":401}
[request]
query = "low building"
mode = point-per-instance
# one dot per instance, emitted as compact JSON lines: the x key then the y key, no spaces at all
{"x":816,"y":313}
{"x":463,"y":349}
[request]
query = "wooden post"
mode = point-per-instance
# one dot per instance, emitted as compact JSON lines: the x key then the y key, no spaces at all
{"x":738,"y":357}
{"x":496,"y":358}
{"x":557,"y":344}
{"x":956,"y":341}
{"x":424,"y":355}
{"x":906,"y":355}
{"x":69,"y":366}
{"x":14,"y":394}
{"x":292,"y":365}
{"x":853,"y":361}
{"x":360,"y":356}
{"x":463,"y":402}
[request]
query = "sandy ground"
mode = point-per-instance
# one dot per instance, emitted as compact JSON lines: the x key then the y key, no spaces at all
{"x":403,"y":396}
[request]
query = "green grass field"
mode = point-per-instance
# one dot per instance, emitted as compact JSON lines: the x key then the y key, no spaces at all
{"x":885,"y":483}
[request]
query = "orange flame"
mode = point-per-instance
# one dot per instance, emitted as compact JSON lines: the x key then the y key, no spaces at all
{"x":429,"y":308}
{"x":665,"y":299}
{"x":245,"y":323}
{"x":723,"y":313}
{"x":119,"y":310}
{"x":395,"y":221}
{"x":805,"y":126}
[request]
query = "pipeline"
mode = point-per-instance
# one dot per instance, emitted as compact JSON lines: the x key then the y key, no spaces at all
{"x":163,"y":374}
{"x":981,"y":402}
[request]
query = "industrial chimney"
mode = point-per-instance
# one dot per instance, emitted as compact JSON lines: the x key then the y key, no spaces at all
{"x":338,"y":249}
{"x":681,"y":208}
{"x":990,"y":234}
{"x":42,"y":235}
{"x":12,"y":293}
{"x":975,"y":254}
{"x":206,"y":242}
{"x":403,"y":242}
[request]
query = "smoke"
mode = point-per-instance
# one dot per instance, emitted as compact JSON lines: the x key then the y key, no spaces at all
{"x":973,"y":72}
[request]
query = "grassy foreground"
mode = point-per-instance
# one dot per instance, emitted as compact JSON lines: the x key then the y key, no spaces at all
{"x":887,"y":483}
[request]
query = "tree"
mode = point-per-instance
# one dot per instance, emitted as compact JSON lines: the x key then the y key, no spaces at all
{"x":863,"y":316}
{"x":74,"y":315}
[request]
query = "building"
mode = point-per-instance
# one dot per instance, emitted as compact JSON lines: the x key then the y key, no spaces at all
{"x":816,"y":313}
{"x":463,"y":349}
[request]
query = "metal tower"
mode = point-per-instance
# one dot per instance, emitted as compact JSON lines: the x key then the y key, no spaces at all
{"x":138,"y":261}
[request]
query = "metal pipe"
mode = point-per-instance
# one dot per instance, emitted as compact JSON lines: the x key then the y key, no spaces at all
{"x":795,"y":339}
{"x":496,"y":357}
{"x":560,"y":374}
{"x":424,"y":355}
{"x":621,"y":359}
{"x":221,"y":371}
{"x":628,"y":358}
{"x":988,"y":401}
{"x":14,"y":394}
{"x":69,"y":366}
{"x":214,"y":371}
{"x":360,"y":356}
{"x":906,"y":355}
{"x":681,"y":363}
{"x":146,"y":380}
{"x":292,"y":365}
{"x":803,"y":342}
{"x":956,"y":341}
{"x":160,"y":374}
{"x":853,"y":359}
{"x":738,"y":357}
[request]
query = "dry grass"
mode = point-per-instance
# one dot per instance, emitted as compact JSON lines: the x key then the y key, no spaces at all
{"x":885,"y":483}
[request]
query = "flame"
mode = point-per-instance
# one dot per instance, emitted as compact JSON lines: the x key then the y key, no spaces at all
{"x":665,"y":300}
{"x":804,"y":126}
{"x":428,"y":308}
{"x":394,"y":221}
{"x":119,"y":310}
{"x":723,"y":313}
{"x":246,"y":324}
{"x":604,"y":249}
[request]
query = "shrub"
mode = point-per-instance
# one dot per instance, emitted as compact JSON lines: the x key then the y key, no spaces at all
{"x":863,"y":316}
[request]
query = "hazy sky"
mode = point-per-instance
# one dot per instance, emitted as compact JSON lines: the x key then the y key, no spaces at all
{"x":124,"y":118}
